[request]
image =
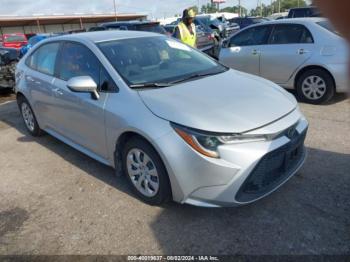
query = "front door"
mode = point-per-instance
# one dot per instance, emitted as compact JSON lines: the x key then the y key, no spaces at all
{"x":243,"y":51}
{"x":79,"y":116}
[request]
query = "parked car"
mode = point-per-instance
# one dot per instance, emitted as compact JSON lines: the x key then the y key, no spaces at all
{"x":31,"y":42}
{"x":177,"y":123}
{"x":16,"y":40}
{"x":8,"y":61}
{"x":147,"y":26}
{"x":213,"y":23}
{"x":207,"y":40}
{"x":305,"y":54}
{"x":300,"y":12}
{"x":231,"y":27}
{"x":247,"y":21}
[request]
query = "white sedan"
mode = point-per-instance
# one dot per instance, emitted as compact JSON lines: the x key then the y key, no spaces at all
{"x":305,"y":54}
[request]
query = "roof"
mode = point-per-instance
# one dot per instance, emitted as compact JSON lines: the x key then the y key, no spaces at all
{"x":295,"y":20}
{"x":6,"y":21}
{"x":305,"y":7}
{"x":129,"y":23}
{"x":103,"y":36}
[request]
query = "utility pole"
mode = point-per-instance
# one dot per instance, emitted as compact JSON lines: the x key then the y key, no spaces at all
{"x":239,"y":6}
{"x":115,"y":9}
{"x":271,"y":6}
{"x":279,"y":6}
{"x":261,"y":11}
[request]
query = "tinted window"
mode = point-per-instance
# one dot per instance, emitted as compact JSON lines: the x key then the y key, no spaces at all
{"x":253,"y":36}
{"x":327,"y":25}
{"x":290,"y":34}
{"x":44,"y":58}
{"x":299,"y":13}
{"x":78,"y":60}
{"x":156,"y":28}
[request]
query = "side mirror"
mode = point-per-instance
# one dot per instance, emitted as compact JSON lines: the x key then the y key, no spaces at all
{"x":83,"y":84}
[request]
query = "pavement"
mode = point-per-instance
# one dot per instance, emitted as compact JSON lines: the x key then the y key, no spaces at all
{"x":55,"y":200}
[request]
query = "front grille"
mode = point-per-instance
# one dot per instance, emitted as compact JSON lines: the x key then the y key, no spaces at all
{"x":273,"y":169}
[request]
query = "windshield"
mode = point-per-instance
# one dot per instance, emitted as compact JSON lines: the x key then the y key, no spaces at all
{"x":15,"y":38}
{"x":327,"y":25}
{"x":156,"y":59}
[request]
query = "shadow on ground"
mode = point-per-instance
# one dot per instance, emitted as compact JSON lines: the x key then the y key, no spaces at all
{"x":308,"y":215}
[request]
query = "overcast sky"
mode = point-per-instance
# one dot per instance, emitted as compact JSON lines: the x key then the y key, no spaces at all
{"x":154,"y":8}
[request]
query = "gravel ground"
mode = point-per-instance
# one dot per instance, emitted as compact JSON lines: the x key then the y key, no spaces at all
{"x":55,"y":200}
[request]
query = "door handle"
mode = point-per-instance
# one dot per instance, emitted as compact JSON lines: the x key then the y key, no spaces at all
{"x":255,"y":52}
{"x":58,"y":91}
{"x":302,"y":51}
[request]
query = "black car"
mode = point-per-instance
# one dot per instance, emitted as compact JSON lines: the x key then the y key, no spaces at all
{"x":247,"y":21}
{"x":8,"y":60}
{"x":310,"y":11}
{"x":148,"y":26}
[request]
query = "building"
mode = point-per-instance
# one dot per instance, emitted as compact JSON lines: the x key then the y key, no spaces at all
{"x":59,"y":22}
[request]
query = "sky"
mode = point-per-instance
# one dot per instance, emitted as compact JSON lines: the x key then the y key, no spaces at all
{"x":154,"y":8}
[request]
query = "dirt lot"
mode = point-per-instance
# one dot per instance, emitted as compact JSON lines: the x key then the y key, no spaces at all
{"x":55,"y":200}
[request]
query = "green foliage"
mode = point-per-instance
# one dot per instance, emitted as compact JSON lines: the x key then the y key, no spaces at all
{"x":284,"y":5}
{"x":263,"y":10}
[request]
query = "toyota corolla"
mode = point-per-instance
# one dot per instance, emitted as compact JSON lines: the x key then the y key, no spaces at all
{"x":177,"y":123}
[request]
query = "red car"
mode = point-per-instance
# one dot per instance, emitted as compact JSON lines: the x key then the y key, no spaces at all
{"x":14,"y":40}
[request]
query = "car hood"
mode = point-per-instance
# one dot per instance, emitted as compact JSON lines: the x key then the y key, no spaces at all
{"x":230,"y":102}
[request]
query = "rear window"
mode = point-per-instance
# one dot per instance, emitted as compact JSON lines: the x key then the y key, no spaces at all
{"x":15,"y":38}
{"x":327,"y":25}
{"x":258,"y":20}
{"x":155,"y":28}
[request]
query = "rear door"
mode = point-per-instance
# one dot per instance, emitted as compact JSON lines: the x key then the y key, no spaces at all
{"x":243,"y":52}
{"x":289,"y":46}
{"x":39,"y":79}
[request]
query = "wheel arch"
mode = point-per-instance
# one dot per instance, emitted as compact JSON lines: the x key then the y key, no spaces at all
{"x":311,"y":67}
{"x":119,"y":145}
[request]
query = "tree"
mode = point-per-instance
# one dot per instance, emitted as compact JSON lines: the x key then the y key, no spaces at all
{"x":235,"y":9}
{"x":277,"y":5}
{"x":209,"y":8}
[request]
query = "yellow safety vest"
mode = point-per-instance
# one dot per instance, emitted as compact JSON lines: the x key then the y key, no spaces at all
{"x":186,"y":37}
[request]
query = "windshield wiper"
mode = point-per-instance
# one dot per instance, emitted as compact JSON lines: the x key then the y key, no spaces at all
{"x":146,"y":85}
{"x":198,"y":75}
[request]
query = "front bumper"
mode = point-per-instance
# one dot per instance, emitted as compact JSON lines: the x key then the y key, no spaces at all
{"x":244,"y":172}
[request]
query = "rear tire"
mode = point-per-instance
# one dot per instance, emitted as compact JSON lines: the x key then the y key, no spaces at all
{"x":28,"y":117}
{"x":315,"y":86}
{"x":146,"y":172}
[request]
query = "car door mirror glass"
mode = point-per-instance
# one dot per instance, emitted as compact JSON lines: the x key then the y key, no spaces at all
{"x":83,"y":84}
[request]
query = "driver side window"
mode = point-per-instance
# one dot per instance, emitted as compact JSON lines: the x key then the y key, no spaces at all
{"x":253,"y":36}
{"x":78,"y":60}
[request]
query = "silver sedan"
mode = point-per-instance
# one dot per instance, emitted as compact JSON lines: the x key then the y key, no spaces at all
{"x":305,"y":54}
{"x":178,"y":124}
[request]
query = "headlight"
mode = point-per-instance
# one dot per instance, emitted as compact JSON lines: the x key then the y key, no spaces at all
{"x":207,"y":143}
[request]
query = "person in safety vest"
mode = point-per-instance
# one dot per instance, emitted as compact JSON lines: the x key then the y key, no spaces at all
{"x":186,"y":30}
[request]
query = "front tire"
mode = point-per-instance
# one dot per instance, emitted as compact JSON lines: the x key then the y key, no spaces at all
{"x":315,"y":86}
{"x":146,"y":172}
{"x":28,"y":117}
